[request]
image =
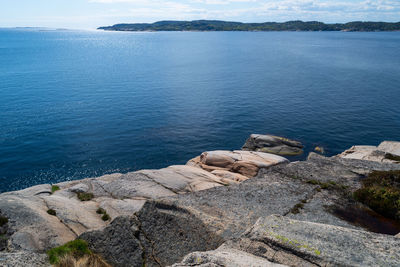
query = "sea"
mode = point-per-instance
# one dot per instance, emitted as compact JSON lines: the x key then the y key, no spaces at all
{"x":77,"y":104}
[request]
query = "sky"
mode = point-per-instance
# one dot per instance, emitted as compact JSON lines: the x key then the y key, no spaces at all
{"x":90,"y":14}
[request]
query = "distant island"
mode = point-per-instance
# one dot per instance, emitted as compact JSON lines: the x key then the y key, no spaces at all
{"x":216,"y":25}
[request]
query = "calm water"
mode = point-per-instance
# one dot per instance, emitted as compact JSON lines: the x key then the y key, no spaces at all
{"x":77,"y":104}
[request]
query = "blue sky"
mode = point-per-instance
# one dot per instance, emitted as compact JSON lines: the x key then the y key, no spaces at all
{"x":90,"y":14}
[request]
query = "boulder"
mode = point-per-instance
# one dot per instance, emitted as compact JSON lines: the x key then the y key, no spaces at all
{"x":273,"y":144}
{"x":246,"y":163}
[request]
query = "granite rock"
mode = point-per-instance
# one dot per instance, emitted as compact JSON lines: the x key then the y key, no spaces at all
{"x":387,"y":152}
{"x":301,"y":243}
{"x":273,"y":144}
{"x":246,"y":163}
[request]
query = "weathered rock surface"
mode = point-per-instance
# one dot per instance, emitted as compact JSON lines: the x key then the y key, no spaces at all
{"x":209,"y":210}
{"x":300,"y":243}
{"x":245,"y":163}
{"x":158,"y":235}
{"x":32,"y":228}
{"x":172,"y":224}
{"x":387,"y":151}
{"x":225,"y":256}
{"x":23,"y":259}
{"x":273,"y":144}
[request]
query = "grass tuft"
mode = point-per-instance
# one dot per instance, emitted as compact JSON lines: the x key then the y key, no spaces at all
{"x":77,"y":249}
{"x":105,"y":217}
{"x":381,"y":192}
{"x":85,"y":196}
{"x":54,"y":188}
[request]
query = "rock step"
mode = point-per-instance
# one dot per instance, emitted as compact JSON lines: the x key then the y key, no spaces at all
{"x":300,"y":243}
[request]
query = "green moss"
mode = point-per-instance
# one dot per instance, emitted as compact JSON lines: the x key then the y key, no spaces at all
{"x":54,"y":188}
{"x":330,"y":185}
{"x":105,"y":217}
{"x":293,"y":242}
{"x":85,"y":196}
{"x":77,"y":248}
{"x":381,"y":192}
{"x":3,"y":220}
{"x":52,"y":212}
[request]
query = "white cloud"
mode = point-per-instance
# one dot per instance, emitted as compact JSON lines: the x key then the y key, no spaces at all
{"x":255,"y":10}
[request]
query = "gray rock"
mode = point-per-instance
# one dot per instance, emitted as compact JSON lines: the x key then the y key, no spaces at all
{"x":23,"y":259}
{"x":173,"y":225}
{"x":299,"y":243}
{"x":158,"y":235}
{"x":386,"y":152}
{"x":273,"y":144}
{"x":33,"y":229}
{"x":119,"y":243}
{"x":392,"y":147}
{"x":225,"y":256}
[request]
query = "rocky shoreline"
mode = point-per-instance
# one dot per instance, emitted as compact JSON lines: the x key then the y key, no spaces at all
{"x":223,"y":208}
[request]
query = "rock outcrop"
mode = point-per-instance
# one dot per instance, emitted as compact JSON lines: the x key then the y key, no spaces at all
{"x":210,"y":213}
{"x":300,"y":243}
{"x":387,"y":151}
{"x":45,"y":216}
{"x":315,"y":191}
{"x":273,"y":144}
{"x":237,"y":164}
{"x":225,"y":256}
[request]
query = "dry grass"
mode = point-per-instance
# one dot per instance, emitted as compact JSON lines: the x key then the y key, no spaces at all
{"x":91,"y":260}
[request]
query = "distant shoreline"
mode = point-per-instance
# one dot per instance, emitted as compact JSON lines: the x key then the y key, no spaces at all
{"x":291,"y":26}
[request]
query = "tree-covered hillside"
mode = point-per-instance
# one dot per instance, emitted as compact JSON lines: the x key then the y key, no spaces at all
{"x":215,"y":25}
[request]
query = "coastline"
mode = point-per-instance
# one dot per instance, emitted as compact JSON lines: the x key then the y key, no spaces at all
{"x":214,"y":198}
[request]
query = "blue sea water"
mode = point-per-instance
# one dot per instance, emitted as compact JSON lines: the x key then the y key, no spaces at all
{"x":77,"y":104}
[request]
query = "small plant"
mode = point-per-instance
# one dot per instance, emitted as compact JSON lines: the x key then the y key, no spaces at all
{"x":105,"y":217}
{"x":83,"y":196}
{"x":52,"y":212}
{"x":101,"y":211}
{"x":330,"y":185}
{"x":54,"y":188}
{"x":91,"y":260}
{"x":77,"y":248}
{"x":3,"y":220}
{"x":381,"y":192}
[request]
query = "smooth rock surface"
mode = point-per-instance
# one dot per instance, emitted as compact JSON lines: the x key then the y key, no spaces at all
{"x":33,"y":229}
{"x":300,"y":243}
{"x":225,"y":256}
{"x":246,"y":163}
{"x":380,"y":153}
{"x":273,"y":144}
